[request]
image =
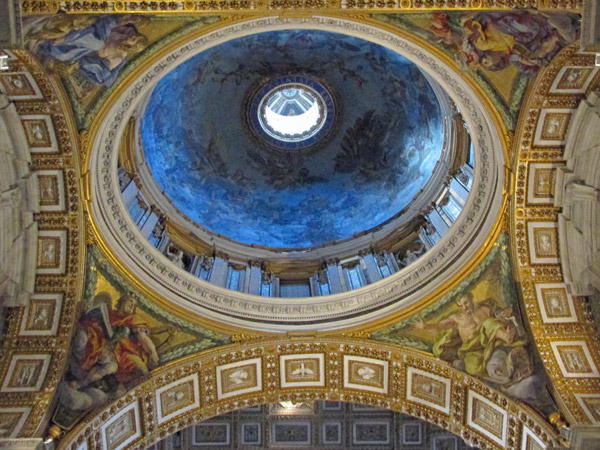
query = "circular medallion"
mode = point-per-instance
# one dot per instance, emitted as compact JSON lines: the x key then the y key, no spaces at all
{"x":291,"y":112}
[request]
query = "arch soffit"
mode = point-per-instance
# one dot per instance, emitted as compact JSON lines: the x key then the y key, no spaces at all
{"x":461,"y":247}
{"x":350,"y":370}
{"x":562,"y":325}
{"x":38,"y":330}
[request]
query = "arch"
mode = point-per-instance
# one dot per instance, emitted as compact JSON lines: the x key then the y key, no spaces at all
{"x":51,"y":255}
{"x":345,"y":369}
{"x":562,"y":325}
{"x":19,"y":201}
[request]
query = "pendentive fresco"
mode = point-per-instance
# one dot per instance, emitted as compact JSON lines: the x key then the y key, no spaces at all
{"x":478,"y":328}
{"x":119,"y":338}
{"x":92,"y":53}
{"x":502,"y":51}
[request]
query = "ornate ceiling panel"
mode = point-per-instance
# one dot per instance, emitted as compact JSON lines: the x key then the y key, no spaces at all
{"x":33,"y":347}
{"x":249,"y":7}
{"x":349,"y":370}
{"x":561,"y":323}
{"x":383,"y":147}
{"x":318,"y":425}
{"x":333,"y":368}
{"x":460,"y":246}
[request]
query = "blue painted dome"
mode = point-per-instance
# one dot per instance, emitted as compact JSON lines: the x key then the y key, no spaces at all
{"x":383,"y":141}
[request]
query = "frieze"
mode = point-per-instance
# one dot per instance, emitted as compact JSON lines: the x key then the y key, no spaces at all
{"x":254,"y":7}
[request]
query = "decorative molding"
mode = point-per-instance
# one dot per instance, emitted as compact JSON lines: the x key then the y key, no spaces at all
{"x":487,"y":417}
{"x":556,"y":303}
{"x":530,"y":441}
{"x":177,"y":398}
{"x":239,"y":378}
{"x":574,"y":359}
{"x":590,"y":403}
{"x":20,"y":86}
{"x":562,"y":326}
{"x":256,"y":7}
{"x":13,"y":419}
{"x":121,"y":428}
{"x":38,"y":330}
{"x":541,"y":181}
{"x":552,"y":127}
{"x":366,"y":374}
{"x":302,"y":370}
{"x":26,"y":373}
{"x":40,"y":133}
{"x":573,"y":80}
{"x":479,"y":414}
{"x":428,"y":389}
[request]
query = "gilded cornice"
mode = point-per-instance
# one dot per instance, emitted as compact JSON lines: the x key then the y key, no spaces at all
{"x":303,"y":8}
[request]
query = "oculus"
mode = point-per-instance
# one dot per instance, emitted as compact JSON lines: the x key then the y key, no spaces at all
{"x":291,"y":112}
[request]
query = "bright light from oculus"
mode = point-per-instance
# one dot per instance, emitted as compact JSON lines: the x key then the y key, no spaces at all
{"x":292,"y":112}
{"x":293,"y":124}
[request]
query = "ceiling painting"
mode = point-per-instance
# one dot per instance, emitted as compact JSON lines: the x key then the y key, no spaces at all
{"x":119,"y":337}
{"x":124,"y":370}
{"x":502,"y":51}
{"x":383,"y":148}
{"x":479,"y":329}
{"x":91,"y":53}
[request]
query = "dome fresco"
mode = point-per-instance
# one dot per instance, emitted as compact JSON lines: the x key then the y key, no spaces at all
{"x":387,"y":138}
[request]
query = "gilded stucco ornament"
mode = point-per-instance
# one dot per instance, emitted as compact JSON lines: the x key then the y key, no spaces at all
{"x":258,"y":7}
{"x":342,"y":369}
{"x":36,"y":335}
{"x":562,"y":325}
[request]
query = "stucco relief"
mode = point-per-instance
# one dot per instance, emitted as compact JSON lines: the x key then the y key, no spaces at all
{"x":246,"y":375}
{"x":564,"y":328}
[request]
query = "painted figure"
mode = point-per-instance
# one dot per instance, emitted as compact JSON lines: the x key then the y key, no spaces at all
{"x":470,"y":336}
{"x":59,"y":25}
{"x":494,"y":41}
{"x":134,"y":351}
{"x":99,"y":47}
{"x":176,"y":256}
{"x":110,"y":349}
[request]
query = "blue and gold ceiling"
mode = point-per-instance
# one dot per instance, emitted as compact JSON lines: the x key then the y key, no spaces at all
{"x":386,"y":140}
